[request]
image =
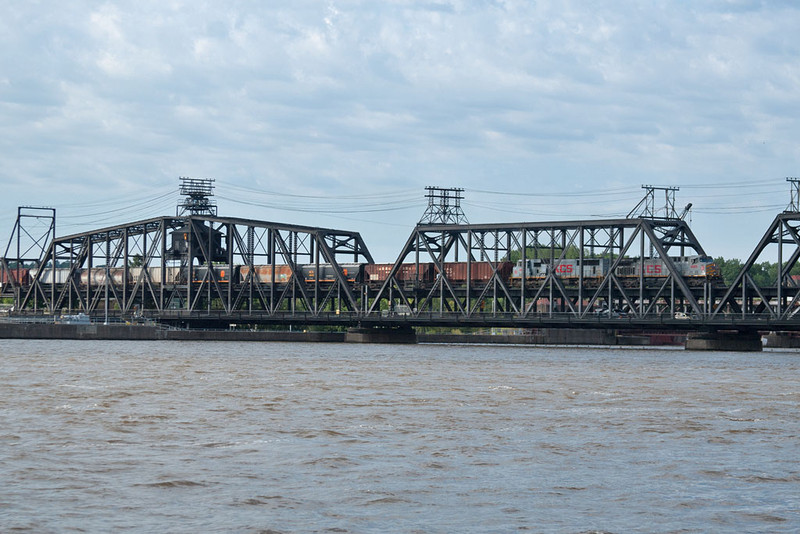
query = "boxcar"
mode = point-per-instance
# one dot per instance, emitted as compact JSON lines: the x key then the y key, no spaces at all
{"x":406,"y":272}
{"x":20,"y":276}
{"x":479,"y":271}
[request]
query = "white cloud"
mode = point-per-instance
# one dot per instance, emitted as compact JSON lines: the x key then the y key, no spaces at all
{"x":330,"y":97}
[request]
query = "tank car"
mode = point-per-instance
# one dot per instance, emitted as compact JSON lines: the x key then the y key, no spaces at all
{"x":171,"y":275}
{"x":222,"y":273}
{"x":352,"y":272}
{"x":97,"y":276}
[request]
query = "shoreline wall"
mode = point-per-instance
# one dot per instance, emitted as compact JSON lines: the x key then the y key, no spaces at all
{"x":154,"y":333}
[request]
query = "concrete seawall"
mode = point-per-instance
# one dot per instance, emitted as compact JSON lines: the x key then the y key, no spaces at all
{"x":153,"y":333}
{"x":141,"y":333}
{"x":551,"y":336}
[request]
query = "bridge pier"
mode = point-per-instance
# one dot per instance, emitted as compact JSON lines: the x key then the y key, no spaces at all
{"x":404,"y":334}
{"x":783,"y":340}
{"x":725,"y":341}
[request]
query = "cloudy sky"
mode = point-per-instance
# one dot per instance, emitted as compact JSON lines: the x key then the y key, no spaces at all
{"x":339,"y":113}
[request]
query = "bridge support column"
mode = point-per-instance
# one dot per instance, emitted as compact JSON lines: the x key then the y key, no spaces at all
{"x":783,"y":340}
{"x":725,"y":341}
{"x":381,"y":335}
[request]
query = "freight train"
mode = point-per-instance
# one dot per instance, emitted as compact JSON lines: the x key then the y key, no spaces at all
{"x":694,"y":269}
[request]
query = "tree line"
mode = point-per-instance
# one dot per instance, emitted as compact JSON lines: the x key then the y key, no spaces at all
{"x":764,"y":274}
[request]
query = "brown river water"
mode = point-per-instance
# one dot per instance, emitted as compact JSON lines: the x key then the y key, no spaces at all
{"x":110,"y":436}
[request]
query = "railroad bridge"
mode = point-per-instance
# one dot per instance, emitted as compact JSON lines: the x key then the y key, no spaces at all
{"x":197,"y":269}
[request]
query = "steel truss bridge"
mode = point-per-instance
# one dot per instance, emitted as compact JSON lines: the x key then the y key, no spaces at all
{"x":209,"y":271}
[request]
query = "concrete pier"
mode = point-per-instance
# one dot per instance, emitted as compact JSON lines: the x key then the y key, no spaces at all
{"x":381,"y":335}
{"x":783,"y":340}
{"x":726,"y":341}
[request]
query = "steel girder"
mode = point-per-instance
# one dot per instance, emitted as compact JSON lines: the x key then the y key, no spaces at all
{"x":33,"y":230}
{"x":615,"y":240}
{"x":79,"y":271}
{"x":780,"y":299}
{"x":253,"y":243}
{"x":134,"y":269}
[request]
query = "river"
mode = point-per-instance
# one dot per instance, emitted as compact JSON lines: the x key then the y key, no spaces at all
{"x":101,"y":436}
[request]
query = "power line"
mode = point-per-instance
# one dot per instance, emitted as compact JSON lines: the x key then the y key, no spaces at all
{"x":397,"y":193}
{"x":116,"y":200}
{"x":740,"y":209}
{"x":727,"y":185}
{"x":592,"y":193}
{"x":127,"y":207}
{"x":382,"y":207}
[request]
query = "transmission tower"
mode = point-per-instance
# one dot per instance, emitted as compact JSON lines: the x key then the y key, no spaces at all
{"x":444,"y":206}
{"x":646,"y":208}
{"x":197,"y":201}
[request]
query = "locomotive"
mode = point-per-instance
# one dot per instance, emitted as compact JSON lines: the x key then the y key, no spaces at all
{"x":694,"y":269}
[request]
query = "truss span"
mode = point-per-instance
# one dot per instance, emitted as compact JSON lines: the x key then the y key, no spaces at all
{"x":213,"y":271}
{"x":636,"y":268}
{"x":195,"y":264}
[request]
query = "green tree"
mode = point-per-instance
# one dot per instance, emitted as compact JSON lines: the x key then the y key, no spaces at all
{"x":728,"y":269}
{"x":765,"y":274}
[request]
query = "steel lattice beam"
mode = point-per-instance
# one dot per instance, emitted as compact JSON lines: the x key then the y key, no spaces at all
{"x":144,"y":268}
{"x":779,"y":299}
{"x":493,"y":245}
{"x":136,"y":268}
